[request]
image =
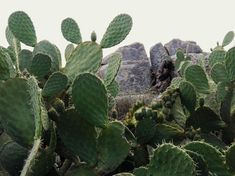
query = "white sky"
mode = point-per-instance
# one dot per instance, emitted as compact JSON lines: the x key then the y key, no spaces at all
{"x":204,"y":21}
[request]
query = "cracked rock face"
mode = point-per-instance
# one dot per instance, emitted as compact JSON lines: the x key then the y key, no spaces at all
{"x":138,"y":73}
{"x":187,"y":46}
{"x":134,"y":74}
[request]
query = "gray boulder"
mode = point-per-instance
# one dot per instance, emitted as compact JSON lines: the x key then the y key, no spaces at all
{"x":134,"y":74}
{"x":157,"y":54}
{"x":187,"y":46}
{"x":133,"y":52}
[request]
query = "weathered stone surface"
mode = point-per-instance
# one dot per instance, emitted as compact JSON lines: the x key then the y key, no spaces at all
{"x":187,"y":46}
{"x":124,"y":103}
{"x":134,"y":78}
{"x":138,"y":73}
{"x":157,"y":54}
{"x":134,"y":74}
{"x":133,"y":52}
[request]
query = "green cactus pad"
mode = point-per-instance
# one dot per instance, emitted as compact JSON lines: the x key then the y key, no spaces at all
{"x":68,"y":51}
{"x":41,"y":66}
{"x":145,"y":130}
{"x":80,"y":171}
{"x":87,"y":57}
{"x":141,"y":171}
{"x":178,"y":112}
{"x":230,"y":63}
{"x":113,"y":67}
{"x":40,"y":161}
{"x":169,"y":160}
{"x":228,"y":38}
{"x":201,"y":165}
{"x":179,"y":58}
{"x":197,"y":76}
{"x":117,"y":31}
{"x":217,"y":56}
{"x":13,"y":42}
{"x":230,"y":157}
{"x":175,"y":82}
{"x":78,"y":136}
{"x":21,"y":97}
{"x":205,"y":119}
{"x":6,"y":66}
{"x":25,"y":59}
{"x":49,"y":49}
{"x":188,"y":95}
{"x":22,"y":28}
{"x":214,"y":159}
{"x":221,"y":91}
{"x":12,"y":157}
{"x":58,"y":53}
{"x":184,"y":65}
{"x":56,"y":83}
{"x":90,"y":99}
{"x":71,"y":31}
{"x":218,"y":73}
{"x":113,"y":88}
{"x":112,"y":146}
{"x":168,"y":132}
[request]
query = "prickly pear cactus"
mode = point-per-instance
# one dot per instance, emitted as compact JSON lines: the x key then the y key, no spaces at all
{"x":171,"y":160}
{"x":57,"y":120}
{"x":117,"y":31}
{"x":22,"y":28}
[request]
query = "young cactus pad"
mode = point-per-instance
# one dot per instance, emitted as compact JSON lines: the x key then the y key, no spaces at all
{"x":22,"y":27}
{"x":71,"y":31}
{"x":117,"y":31}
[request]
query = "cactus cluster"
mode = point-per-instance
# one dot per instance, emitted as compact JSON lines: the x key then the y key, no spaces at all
{"x":56,"y":120}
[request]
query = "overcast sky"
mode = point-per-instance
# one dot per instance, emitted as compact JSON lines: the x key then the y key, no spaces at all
{"x":204,"y":21}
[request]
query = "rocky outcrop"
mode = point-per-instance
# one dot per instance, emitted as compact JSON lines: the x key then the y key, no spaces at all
{"x":187,"y":46}
{"x":138,"y":73}
{"x":134,"y":74}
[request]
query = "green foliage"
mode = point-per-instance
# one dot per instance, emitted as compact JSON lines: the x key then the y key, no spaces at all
{"x":116,"y":147}
{"x":213,"y":157}
{"x":58,"y":120}
{"x":90,"y":99}
{"x":170,"y":160}
{"x":78,"y":136}
{"x":113,"y":67}
{"x":86,"y":57}
{"x":188,"y":95}
{"x":6,"y":66}
{"x":50,"y":50}
{"x":55,"y":84}
{"x":12,"y":156}
{"x":228,"y":38}
{"x":21,"y":97}
{"x":22,"y":28}
{"x":68,"y":51}
{"x":117,"y":31}
{"x":71,"y":31}
{"x":196,"y":75}
{"x":25,"y":60}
